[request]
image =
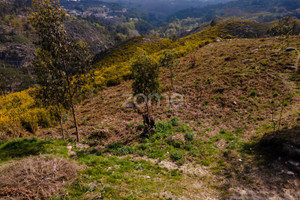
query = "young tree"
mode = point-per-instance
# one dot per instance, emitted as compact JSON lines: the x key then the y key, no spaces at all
{"x":145,"y":72}
{"x":61,"y":65}
{"x":167,"y":60}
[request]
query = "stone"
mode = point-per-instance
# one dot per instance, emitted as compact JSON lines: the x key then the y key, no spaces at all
{"x":82,"y":146}
{"x":247,"y":61}
{"x":290,"y":173}
{"x":294,"y":163}
{"x":290,"y":49}
{"x":130,"y":105}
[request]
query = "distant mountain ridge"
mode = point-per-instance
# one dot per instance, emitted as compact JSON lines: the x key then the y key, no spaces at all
{"x":17,"y":37}
{"x":259,"y":10}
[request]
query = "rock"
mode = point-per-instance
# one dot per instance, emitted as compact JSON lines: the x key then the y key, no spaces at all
{"x":290,"y":173}
{"x":82,"y":146}
{"x":247,"y":61}
{"x":293,"y":166}
{"x":290,"y":49}
{"x":130,"y":105}
{"x":70,"y":152}
{"x":294,"y":163}
{"x":93,"y":185}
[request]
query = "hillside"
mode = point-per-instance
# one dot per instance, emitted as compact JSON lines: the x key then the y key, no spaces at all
{"x":263,"y":10}
{"x":17,"y":38}
{"x":259,"y":11}
{"x":122,"y":55}
{"x":227,"y":129}
{"x":227,"y":106}
{"x":231,"y":78}
{"x":250,"y":28}
{"x":113,"y":66}
{"x":208,"y":148}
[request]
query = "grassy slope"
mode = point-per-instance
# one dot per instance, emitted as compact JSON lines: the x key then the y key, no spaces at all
{"x":114,"y":64}
{"x":228,"y":87}
{"x":233,"y":83}
{"x":227,"y":110}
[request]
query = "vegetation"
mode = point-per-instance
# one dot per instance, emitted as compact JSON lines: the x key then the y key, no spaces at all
{"x":19,"y":148}
{"x":20,"y":109}
{"x":233,"y":134}
{"x":145,"y":73}
{"x":167,"y":60}
{"x":265,"y":10}
{"x":62,"y":66}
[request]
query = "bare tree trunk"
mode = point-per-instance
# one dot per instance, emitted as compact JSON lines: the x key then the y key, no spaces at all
{"x":148,"y":110}
{"x":61,"y":124}
{"x":75,"y":120}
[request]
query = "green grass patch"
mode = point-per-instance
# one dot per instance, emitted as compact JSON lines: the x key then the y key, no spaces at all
{"x":110,"y":177}
{"x":20,"y":148}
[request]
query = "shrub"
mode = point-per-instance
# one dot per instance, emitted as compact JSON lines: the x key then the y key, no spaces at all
{"x":115,"y":145}
{"x":162,"y":126}
{"x":188,"y":147}
{"x":21,"y":109}
{"x":189,"y":136}
{"x":119,"y":149}
{"x":253,"y":93}
{"x":176,"y":155}
{"x":124,"y":151}
{"x":29,"y":122}
{"x":275,"y":94}
{"x":175,"y":121}
{"x":176,"y":143}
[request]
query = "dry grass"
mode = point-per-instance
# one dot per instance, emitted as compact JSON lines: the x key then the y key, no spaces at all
{"x":216,"y":90}
{"x":36,"y":177}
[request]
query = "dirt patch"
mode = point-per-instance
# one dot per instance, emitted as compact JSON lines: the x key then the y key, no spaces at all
{"x":36,"y":177}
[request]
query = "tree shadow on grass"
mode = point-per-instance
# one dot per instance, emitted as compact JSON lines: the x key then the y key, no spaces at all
{"x":23,"y":147}
{"x":264,"y":170}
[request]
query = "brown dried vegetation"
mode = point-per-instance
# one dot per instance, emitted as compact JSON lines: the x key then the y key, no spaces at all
{"x":36,"y":177}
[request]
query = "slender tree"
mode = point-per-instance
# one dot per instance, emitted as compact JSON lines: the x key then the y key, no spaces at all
{"x":2,"y":85}
{"x":167,"y":60}
{"x":62,"y":65}
{"x":145,"y":72}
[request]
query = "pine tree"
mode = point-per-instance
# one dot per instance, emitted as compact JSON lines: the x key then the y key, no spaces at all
{"x":61,"y":65}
